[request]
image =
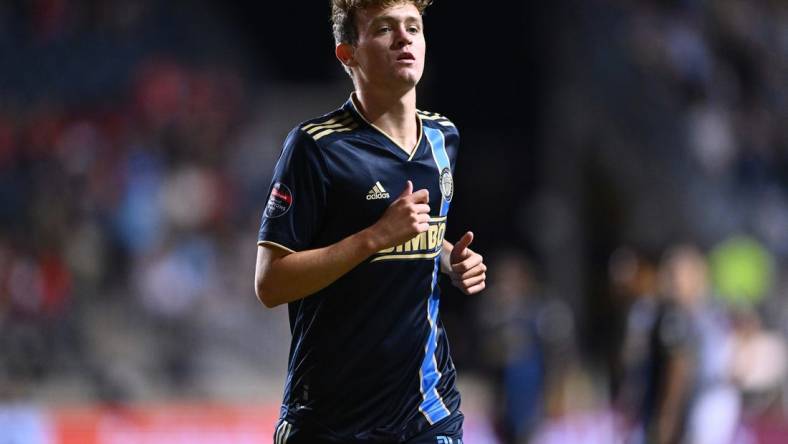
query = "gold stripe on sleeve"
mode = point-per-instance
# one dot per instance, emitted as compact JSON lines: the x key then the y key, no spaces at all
{"x":315,"y":129}
{"x":338,"y":130}
{"x":275,"y":245}
{"x":327,"y":122}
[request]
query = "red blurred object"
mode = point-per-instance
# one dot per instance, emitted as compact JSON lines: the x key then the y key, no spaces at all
{"x":56,"y":285}
{"x":199,"y":423}
{"x":769,"y":430}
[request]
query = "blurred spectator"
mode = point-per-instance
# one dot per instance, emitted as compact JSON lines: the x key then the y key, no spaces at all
{"x":40,"y":332}
{"x":578,"y":411}
{"x":689,"y":395}
{"x":527,"y":340}
{"x":513,"y":345}
{"x":634,"y":284}
{"x":760,"y":364}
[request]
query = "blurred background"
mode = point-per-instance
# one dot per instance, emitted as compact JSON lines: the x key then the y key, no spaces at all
{"x":624,"y":166}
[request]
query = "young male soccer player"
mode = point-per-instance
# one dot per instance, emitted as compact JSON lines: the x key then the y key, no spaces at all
{"x":352,"y":240}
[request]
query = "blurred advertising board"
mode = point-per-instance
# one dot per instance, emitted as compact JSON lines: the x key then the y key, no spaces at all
{"x":154,"y":424}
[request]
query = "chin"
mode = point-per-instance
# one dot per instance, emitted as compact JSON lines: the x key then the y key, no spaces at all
{"x":409,"y":79}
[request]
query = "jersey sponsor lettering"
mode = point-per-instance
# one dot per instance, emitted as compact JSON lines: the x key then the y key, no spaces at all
{"x":424,"y":245}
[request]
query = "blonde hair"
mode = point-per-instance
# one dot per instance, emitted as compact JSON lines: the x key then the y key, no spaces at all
{"x":343,"y":15}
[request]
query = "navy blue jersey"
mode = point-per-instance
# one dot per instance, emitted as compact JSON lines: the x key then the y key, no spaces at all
{"x":369,"y":359}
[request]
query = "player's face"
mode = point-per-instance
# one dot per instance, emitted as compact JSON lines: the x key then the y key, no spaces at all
{"x":391,"y":47}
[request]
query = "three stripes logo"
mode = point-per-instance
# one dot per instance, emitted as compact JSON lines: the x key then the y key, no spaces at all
{"x":341,"y":123}
{"x":377,"y":192}
{"x":282,"y":432}
{"x":448,"y":440}
{"x":426,"y":115}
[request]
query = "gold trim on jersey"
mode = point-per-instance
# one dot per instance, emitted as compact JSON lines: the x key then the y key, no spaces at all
{"x":396,"y":257}
{"x":338,"y":124}
{"x":328,"y":131}
{"x":439,"y":119}
{"x":410,"y":152}
{"x":336,"y":119}
{"x":274,"y":244}
{"x":421,"y":131}
{"x":426,"y":245}
{"x":315,"y":129}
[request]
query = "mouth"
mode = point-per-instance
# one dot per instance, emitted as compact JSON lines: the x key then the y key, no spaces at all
{"x":406,"y":57}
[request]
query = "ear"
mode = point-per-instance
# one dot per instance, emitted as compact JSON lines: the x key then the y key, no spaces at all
{"x":345,"y":54}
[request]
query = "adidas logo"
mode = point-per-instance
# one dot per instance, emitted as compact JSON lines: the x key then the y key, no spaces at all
{"x":377,"y":192}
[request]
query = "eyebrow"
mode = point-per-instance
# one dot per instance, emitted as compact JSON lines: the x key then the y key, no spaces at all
{"x":391,"y":18}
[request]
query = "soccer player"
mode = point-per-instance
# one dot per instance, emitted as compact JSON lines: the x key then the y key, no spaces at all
{"x":352,"y":240}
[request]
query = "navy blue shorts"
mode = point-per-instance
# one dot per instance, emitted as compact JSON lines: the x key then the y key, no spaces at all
{"x":446,"y":431}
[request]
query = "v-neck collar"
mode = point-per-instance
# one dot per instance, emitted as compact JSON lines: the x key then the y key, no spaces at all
{"x":401,"y":149}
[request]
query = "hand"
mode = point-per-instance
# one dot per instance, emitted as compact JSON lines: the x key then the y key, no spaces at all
{"x":405,"y":218}
{"x":466,"y":267}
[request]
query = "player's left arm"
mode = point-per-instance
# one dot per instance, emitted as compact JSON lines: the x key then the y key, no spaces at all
{"x":464,"y":266}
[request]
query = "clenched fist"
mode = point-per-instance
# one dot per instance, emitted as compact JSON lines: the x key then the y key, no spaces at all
{"x":405,"y":218}
{"x":466,"y":267}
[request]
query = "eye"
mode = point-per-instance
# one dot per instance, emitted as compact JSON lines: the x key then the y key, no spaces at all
{"x":413,"y":29}
{"x":383,"y":29}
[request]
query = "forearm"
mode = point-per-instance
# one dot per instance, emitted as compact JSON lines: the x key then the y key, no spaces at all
{"x":297,"y":275}
{"x":281,"y":277}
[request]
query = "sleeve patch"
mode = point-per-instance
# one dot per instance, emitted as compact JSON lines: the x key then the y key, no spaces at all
{"x":279,"y":202}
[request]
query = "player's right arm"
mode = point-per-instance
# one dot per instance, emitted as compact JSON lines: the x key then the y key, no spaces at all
{"x":282,"y":276}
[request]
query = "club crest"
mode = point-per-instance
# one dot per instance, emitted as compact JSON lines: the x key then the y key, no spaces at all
{"x":447,"y":184}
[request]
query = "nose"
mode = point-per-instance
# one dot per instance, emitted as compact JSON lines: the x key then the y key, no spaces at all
{"x":403,"y":37}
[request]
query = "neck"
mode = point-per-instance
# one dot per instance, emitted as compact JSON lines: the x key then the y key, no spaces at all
{"x":394,"y":114}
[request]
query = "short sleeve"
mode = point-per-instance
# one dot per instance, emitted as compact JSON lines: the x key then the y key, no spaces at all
{"x":297,"y":196}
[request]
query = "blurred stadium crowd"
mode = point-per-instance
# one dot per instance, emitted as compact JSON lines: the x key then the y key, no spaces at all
{"x":646,"y":300}
{"x":128,"y":214}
